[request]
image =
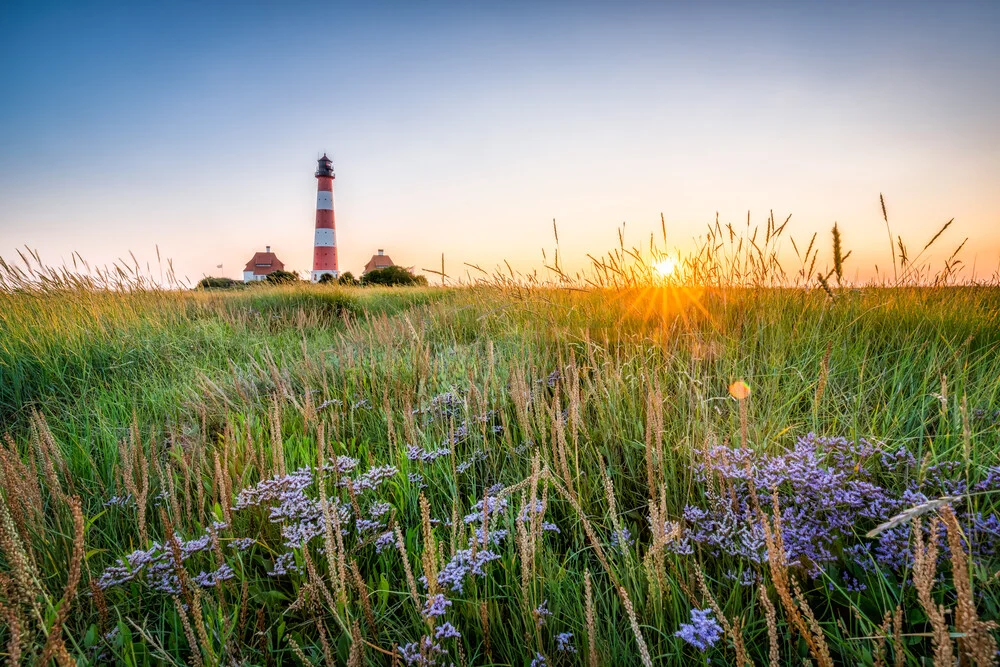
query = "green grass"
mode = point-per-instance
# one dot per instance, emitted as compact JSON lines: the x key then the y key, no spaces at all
{"x":201,"y":374}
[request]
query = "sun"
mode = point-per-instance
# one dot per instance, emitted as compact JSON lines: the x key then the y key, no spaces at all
{"x":665,"y":267}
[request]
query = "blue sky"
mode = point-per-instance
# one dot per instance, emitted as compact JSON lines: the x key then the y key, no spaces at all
{"x":465,"y":128}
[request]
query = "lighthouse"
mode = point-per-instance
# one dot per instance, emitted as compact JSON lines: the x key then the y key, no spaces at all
{"x":325,"y":246}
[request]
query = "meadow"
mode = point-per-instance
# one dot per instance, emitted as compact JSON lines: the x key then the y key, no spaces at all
{"x":717,"y":469}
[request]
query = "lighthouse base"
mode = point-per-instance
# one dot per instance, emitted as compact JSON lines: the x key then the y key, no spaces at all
{"x":316,"y":275}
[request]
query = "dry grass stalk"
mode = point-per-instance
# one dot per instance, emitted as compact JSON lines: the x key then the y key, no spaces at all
{"x":878,"y":656}
{"x":20,"y":484}
{"x":897,"y":637}
{"x":774,"y":653}
{"x":732,"y":629}
{"x":12,"y":619}
{"x":356,"y":656}
{"x":366,"y":603}
{"x":599,"y":552}
{"x":23,"y":574}
{"x":588,"y":605}
{"x":297,"y":650}
{"x":324,"y":644}
{"x":48,"y":454}
{"x":976,"y":641}
{"x":824,"y":374}
{"x":609,"y":494}
{"x":429,"y":554}
{"x":54,"y":645}
{"x":189,"y":632}
{"x":647,"y":661}
{"x":134,"y":473}
{"x":411,"y":583}
{"x":277,"y":441}
{"x":484,"y":621}
{"x":912,"y":513}
{"x":924,"y":568}
{"x":781,"y":579}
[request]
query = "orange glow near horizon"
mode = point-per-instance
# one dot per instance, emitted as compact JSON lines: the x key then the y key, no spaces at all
{"x":665,"y":267}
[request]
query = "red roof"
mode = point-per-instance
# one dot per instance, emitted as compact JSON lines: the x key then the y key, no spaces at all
{"x":378,"y":262}
{"x":263,"y":263}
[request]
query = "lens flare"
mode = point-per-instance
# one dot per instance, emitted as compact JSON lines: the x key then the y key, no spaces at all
{"x":739,"y":390}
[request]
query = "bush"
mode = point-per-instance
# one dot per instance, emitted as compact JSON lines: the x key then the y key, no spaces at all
{"x":326,"y":278}
{"x":391,"y":276}
{"x":209,"y":282}
{"x":348,"y":279}
{"x":280,"y":277}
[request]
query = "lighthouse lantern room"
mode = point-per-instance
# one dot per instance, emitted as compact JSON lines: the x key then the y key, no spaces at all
{"x":325,"y":246}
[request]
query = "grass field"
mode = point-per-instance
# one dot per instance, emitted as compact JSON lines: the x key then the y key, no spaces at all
{"x":500,"y":475}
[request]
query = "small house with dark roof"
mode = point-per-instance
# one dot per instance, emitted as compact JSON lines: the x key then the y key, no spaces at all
{"x":379,"y":261}
{"x":261,"y":265}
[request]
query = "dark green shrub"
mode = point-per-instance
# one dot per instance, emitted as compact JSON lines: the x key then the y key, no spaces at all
{"x":280,"y":277}
{"x":391,"y":276}
{"x":209,"y":282}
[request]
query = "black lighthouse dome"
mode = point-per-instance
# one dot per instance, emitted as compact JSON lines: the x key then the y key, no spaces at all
{"x":325,"y":167}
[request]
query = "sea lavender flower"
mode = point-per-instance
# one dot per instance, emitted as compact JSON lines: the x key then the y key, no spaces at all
{"x":365,"y":525}
{"x":363,"y":404}
{"x":462,"y":564}
{"x":415,"y":453}
{"x":378,"y":509}
{"x":424,"y":652}
{"x":493,"y":505}
{"x":242,"y":543}
{"x":539,"y":661}
{"x":436,"y":606}
{"x":119,"y":501}
{"x":283,"y":564}
{"x":446,"y":631}
{"x":210,"y":579}
{"x":703,"y":630}
{"x":372,"y":479}
{"x":542,"y":613}
{"x":330,"y":402}
{"x":551,"y":527}
{"x":622,"y":539}
{"x":564,"y":642}
{"x":386,"y":540}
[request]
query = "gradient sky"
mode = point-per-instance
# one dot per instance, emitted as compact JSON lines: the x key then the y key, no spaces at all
{"x":466,"y":127}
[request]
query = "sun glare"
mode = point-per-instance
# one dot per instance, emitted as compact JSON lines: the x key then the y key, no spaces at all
{"x":665,"y":267}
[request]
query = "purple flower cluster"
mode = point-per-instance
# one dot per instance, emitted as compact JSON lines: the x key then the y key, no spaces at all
{"x":156,"y":563}
{"x":442,"y":406}
{"x":494,"y":504}
{"x":474,"y":458}
{"x":436,"y":606}
{"x":210,"y":579}
{"x":242,"y":543}
{"x":119,"y":501}
{"x":828,"y":497}
{"x":564,"y":642}
{"x":446,"y":631}
{"x":424,"y":652}
{"x":372,"y":479}
{"x":703,"y":630}
{"x":542,"y":613}
{"x":414,"y":453}
{"x":622,"y":539}
{"x":463,"y":563}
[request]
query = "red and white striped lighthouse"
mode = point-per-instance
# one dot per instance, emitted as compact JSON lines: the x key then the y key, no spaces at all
{"x":325,"y":248}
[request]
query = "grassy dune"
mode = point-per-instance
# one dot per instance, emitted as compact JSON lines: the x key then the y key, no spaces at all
{"x":303,"y":474}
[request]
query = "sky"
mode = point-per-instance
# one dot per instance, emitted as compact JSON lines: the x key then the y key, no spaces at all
{"x":192,"y":129}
